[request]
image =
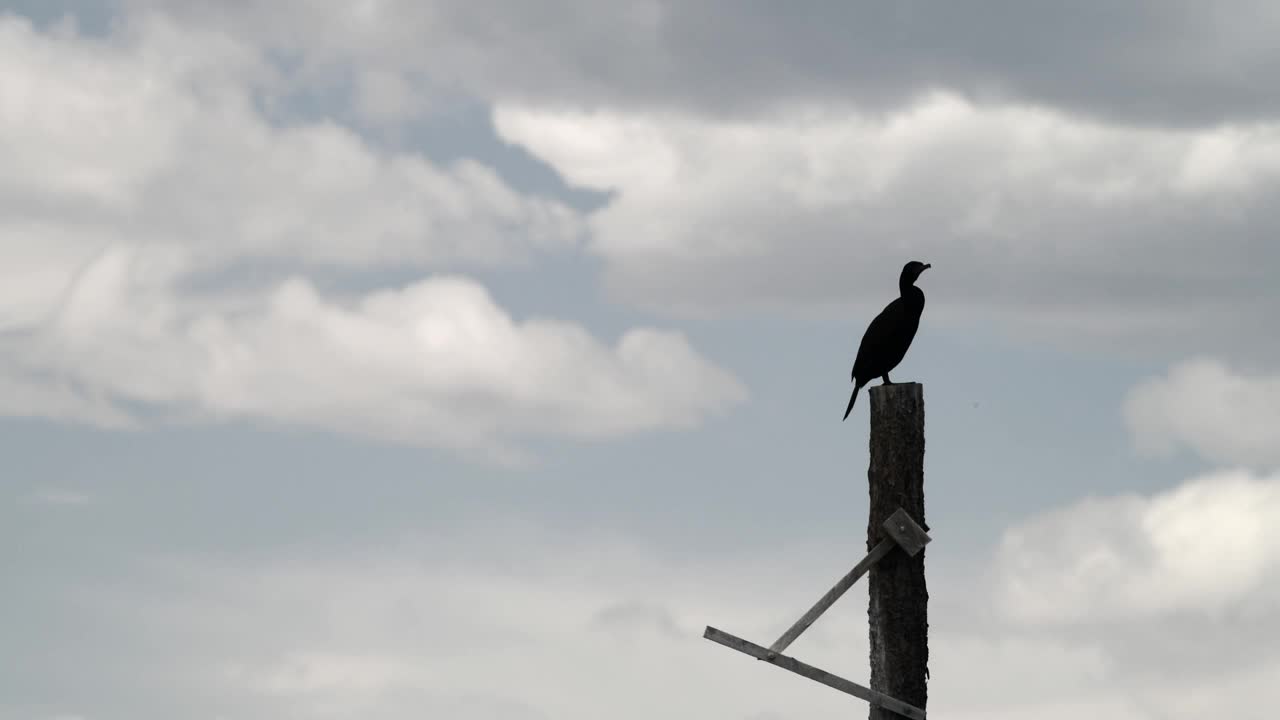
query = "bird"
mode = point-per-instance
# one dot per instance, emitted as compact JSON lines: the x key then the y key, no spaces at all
{"x":889,"y":335}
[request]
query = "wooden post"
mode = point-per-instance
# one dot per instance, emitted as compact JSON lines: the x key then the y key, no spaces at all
{"x":898,"y":610}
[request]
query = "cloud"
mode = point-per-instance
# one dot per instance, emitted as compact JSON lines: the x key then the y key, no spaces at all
{"x":1065,"y":197}
{"x":1202,"y":548}
{"x":1065,"y":227}
{"x":1173,"y":590}
{"x":1132,"y":61}
{"x":436,"y":362}
{"x":145,"y":177}
{"x":476,"y":622}
{"x":111,"y":137}
{"x":1202,"y":404}
{"x":493,"y":627}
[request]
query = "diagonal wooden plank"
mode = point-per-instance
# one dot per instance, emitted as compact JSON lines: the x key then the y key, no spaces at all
{"x":813,"y":673}
{"x":826,"y":601}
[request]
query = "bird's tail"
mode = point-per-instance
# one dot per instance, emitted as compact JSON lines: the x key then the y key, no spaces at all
{"x":852,"y":398}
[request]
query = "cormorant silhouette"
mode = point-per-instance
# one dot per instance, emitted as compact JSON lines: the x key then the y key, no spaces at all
{"x":887,"y":338}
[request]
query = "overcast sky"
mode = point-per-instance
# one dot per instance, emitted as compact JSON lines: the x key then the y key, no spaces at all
{"x":462,"y":360}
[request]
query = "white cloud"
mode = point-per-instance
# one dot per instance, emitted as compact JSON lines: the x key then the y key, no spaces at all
{"x":141,"y":174}
{"x":436,"y":362}
{"x":1224,"y":416}
{"x":1061,"y":223}
{"x":114,"y":137}
{"x":1203,"y":548}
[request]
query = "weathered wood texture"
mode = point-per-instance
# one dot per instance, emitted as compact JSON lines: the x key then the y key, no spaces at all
{"x":899,"y":599}
{"x":813,"y":673}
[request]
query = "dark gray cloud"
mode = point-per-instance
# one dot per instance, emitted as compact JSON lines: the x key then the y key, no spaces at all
{"x":1151,"y":62}
{"x":1155,"y":63}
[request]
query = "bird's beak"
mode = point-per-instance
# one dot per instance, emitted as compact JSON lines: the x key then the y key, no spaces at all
{"x":926,"y":267}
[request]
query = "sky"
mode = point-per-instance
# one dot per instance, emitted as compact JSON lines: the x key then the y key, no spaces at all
{"x":464,"y":360}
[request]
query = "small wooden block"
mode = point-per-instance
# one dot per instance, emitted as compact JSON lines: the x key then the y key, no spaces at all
{"x":910,"y":537}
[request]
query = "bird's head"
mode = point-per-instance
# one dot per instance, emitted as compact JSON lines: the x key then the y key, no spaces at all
{"x":912,"y":270}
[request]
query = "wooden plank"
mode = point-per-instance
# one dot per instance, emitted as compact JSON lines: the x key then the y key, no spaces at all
{"x":826,"y":601}
{"x":834,"y":681}
{"x":910,"y":537}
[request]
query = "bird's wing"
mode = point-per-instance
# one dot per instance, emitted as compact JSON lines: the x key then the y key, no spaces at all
{"x":878,"y":332}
